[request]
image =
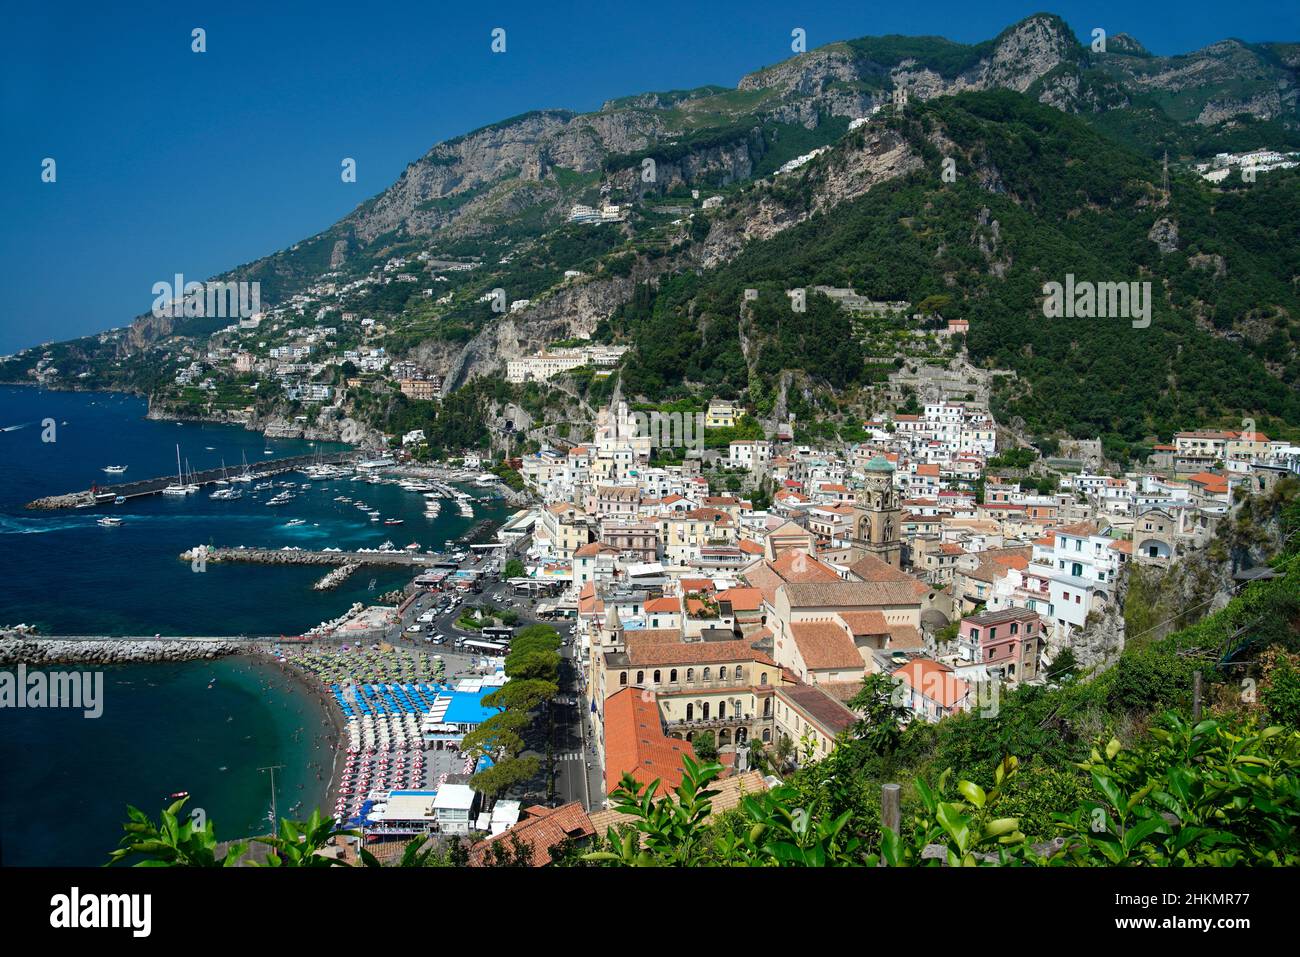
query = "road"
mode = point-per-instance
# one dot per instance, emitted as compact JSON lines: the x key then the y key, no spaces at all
{"x":577,"y":774}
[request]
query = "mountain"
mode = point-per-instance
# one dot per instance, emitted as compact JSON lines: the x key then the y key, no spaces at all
{"x":1055,"y":145}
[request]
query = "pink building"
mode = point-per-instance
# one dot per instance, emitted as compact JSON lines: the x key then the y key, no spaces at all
{"x":1008,"y":640}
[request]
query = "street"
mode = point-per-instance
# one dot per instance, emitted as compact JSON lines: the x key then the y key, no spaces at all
{"x":577,"y":775}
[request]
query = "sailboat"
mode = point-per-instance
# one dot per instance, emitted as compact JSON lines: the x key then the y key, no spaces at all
{"x":179,"y":487}
{"x":244,"y":476}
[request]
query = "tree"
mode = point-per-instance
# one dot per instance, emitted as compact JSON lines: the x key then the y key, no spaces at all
{"x":880,"y":726}
{"x":522,"y":695}
{"x":705,"y":745}
{"x":514,"y":569}
{"x":500,"y":777}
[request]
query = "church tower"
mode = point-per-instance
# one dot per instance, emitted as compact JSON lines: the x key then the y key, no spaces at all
{"x":877,"y":518}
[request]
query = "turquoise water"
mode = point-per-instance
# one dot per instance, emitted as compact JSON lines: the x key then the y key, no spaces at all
{"x":66,"y":779}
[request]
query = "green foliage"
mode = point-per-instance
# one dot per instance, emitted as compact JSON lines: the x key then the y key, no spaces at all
{"x":172,"y":842}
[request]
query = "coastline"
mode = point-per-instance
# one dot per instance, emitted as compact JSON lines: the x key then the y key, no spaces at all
{"x":34,"y":651}
{"x":333,"y":718}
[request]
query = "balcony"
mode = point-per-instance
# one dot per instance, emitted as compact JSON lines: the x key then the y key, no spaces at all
{"x":693,"y":724}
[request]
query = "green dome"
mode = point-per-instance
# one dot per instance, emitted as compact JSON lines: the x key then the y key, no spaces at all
{"x":879,"y":464}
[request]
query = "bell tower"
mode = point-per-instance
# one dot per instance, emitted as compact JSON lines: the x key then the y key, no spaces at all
{"x":877,"y":518}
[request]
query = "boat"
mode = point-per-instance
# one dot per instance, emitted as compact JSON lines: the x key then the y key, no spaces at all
{"x":282,"y":499}
{"x":413,"y":547}
{"x":226,"y":494}
{"x":295,"y":522}
{"x":114,"y":469}
{"x":392,"y":521}
{"x":178,"y":794}
{"x":179,"y":487}
{"x":108,"y":522}
{"x":120,"y":500}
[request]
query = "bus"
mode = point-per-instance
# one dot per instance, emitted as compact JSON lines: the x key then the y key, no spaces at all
{"x":498,"y":634}
{"x":494,"y":648}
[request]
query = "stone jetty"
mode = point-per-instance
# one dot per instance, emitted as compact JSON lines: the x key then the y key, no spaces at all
{"x":338,"y":576}
{"x":29,"y":650}
{"x":273,"y":556}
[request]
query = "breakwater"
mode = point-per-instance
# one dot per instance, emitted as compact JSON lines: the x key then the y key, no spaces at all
{"x":105,"y":494}
{"x":300,"y":556}
{"x":114,"y":651}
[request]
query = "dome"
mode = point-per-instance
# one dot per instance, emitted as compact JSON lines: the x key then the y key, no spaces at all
{"x":879,"y":464}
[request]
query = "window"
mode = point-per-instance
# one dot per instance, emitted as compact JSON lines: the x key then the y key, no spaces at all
{"x":722,"y":672}
{"x":622,"y":678}
{"x":690,"y":674}
{"x":722,"y":709}
{"x":707,"y":673}
{"x":640,"y":677}
{"x":657,"y":678}
{"x":672,"y":676}
{"x":767,"y":708}
{"x":690,"y":711}
{"x":704,"y":711}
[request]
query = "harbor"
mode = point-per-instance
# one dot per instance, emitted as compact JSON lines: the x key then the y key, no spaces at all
{"x":110,"y":494}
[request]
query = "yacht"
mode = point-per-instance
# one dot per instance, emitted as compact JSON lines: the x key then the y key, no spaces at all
{"x":114,"y":469}
{"x":179,"y":487}
{"x":392,"y":521}
{"x":281,"y":499}
{"x":226,"y":494}
{"x":295,"y":522}
{"x":109,"y":522}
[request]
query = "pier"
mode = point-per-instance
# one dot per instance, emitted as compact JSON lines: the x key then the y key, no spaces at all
{"x":106,"y":494}
{"x":281,"y":556}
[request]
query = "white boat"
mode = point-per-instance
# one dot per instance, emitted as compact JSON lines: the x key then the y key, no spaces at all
{"x":226,"y":494}
{"x":179,"y":487}
{"x":295,"y":522}
{"x":120,"y":500}
{"x":114,"y":469}
{"x":108,"y":522}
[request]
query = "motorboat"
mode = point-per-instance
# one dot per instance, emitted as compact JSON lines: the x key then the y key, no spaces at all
{"x":115,"y":469}
{"x":109,"y":522}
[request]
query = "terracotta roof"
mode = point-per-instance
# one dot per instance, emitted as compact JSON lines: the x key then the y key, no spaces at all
{"x":635,"y":742}
{"x":678,"y":652}
{"x":865,"y":622}
{"x":697,"y":584}
{"x":850,"y":594}
{"x":592,"y":549}
{"x":904,"y":638}
{"x":742,"y":599}
{"x":869,"y":568}
{"x":824,"y":645}
{"x":645,"y":637}
{"x":749,"y":547}
{"x":821,"y":708}
{"x":1078,"y":529}
{"x":662,"y":605}
{"x":937,"y":682}
{"x":541,"y":830}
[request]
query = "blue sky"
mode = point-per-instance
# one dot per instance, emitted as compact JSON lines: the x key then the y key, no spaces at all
{"x":171,"y":161}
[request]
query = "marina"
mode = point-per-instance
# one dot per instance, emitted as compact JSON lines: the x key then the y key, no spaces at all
{"x":184,"y":484}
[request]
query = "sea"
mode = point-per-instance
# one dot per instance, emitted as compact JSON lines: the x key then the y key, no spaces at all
{"x":213,"y":729}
